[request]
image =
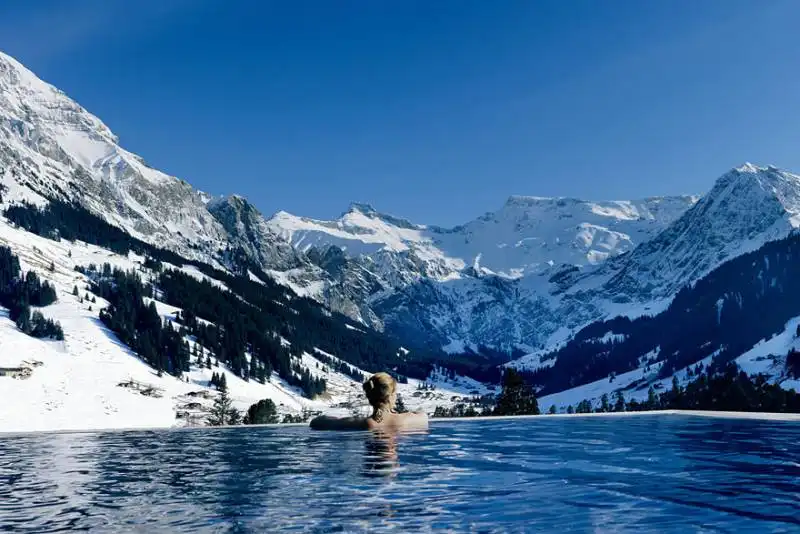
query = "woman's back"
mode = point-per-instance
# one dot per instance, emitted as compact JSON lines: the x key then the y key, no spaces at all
{"x":400,"y":421}
{"x":391,"y":421}
{"x":381,"y":391}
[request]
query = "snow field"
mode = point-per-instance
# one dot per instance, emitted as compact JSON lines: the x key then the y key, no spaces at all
{"x":76,"y":387}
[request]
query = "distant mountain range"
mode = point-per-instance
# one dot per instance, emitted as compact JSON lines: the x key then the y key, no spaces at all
{"x":523,"y":279}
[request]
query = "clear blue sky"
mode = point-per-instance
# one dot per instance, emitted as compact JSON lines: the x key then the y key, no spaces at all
{"x":432,"y":110}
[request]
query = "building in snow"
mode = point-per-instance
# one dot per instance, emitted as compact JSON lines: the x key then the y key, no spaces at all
{"x":16,"y":372}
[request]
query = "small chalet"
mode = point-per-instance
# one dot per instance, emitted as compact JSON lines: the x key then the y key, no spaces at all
{"x":15,"y":372}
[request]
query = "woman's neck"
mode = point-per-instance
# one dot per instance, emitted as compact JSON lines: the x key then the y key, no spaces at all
{"x":378,"y":412}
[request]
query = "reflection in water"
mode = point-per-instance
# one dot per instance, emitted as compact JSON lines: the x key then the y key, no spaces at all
{"x":380,"y":452}
{"x":642,"y":474}
{"x":380,"y":455}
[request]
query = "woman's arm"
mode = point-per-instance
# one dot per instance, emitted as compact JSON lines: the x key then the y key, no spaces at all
{"x":326,"y":422}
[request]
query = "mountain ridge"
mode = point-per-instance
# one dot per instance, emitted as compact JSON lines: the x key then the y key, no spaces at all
{"x":513,"y":277}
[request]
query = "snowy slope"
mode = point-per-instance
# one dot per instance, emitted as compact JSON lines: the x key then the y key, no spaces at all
{"x":747,"y":207}
{"x":769,"y":356}
{"x":50,"y":147}
{"x":77,"y":384}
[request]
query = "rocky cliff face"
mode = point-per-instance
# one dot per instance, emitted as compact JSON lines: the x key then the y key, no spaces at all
{"x":50,"y":147}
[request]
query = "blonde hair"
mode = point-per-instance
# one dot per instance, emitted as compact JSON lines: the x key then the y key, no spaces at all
{"x":379,"y":389}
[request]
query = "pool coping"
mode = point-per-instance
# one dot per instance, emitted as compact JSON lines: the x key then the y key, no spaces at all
{"x":764,"y":416}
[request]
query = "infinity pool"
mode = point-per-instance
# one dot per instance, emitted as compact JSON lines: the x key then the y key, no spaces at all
{"x":612,"y":474}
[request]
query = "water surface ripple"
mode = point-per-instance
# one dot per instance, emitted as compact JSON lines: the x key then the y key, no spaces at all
{"x":626,"y":474}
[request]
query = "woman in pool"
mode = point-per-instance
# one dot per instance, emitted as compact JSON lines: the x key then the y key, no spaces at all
{"x":381,"y":391}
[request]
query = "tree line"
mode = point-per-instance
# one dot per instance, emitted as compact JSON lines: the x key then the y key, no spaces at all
{"x":517,"y":397}
{"x":722,"y":386}
{"x":19,"y":293}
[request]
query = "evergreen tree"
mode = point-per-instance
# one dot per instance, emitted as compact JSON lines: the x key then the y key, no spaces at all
{"x":440,"y":412}
{"x":263,"y":412}
{"x":570,"y":409}
{"x":516,"y":398}
{"x":552,"y":410}
{"x":234,"y":417}
{"x":23,"y":319}
{"x":218,"y":415}
{"x":253,"y":371}
{"x":619,"y":404}
{"x":75,"y":291}
{"x":604,"y":405}
{"x":400,"y":405}
{"x":652,"y":400}
{"x":222,"y":411}
{"x":793,"y":363}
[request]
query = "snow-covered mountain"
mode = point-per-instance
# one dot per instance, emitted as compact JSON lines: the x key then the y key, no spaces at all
{"x":522,"y":276}
{"x":50,"y":147}
{"x":745,"y":310}
{"x":537,"y":269}
{"x":525,"y":276}
{"x":79,"y":383}
{"x":524,"y":236}
{"x":481,"y":283}
{"x":746,"y":208}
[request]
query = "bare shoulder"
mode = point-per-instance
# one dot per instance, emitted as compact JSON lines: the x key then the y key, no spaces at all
{"x":414,"y":419}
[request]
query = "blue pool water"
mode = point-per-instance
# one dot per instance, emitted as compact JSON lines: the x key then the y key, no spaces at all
{"x":614,"y":474}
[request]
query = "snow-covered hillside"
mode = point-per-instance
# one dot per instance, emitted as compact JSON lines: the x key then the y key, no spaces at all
{"x":79,"y":383}
{"x":50,"y":147}
{"x":767,"y":358}
{"x":747,"y":207}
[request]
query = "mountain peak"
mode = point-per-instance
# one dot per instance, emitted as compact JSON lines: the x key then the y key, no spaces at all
{"x":368,"y":211}
{"x":768,"y":182}
{"x":15,"y":71}
{"x":747,"y":207}
{"x":361,"y":207}
{"x":32,"y":100}
{"x":747,"y":167}
{"x":527,"y":200}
